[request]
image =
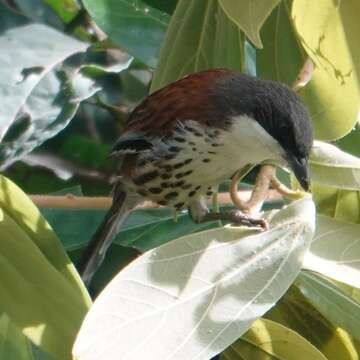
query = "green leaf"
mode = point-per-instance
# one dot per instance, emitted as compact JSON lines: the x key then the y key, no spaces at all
{"x":21,"y":67}
{"x":294,"y":311}
{"x":36,"y":269}
{"x":136,"y":27}
{"x":199,"y":37}
{"x":149,"y":229}
{"x":66,"y":9}
{"x":198,"y":293}
{"x":343,"y":205}
{"x":13,"y":344}
{"x":38,"y":11}
{"x":280,"y":45}
{"x":335,"y":251}
{"x":350,"y":142}
{"x":36,"y":105}
{"x":332,"y":167}
{"x":331,"y":302}
{"x":249,"y":15}
{"x":144,"y":229}
{"x":167,"y":6}
{"x":53,"y":103}
{"x":269,"y":340}
{"x":326,"y":30}
{"x":335,"y":179}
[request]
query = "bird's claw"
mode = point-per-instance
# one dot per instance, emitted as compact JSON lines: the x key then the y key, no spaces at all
{"x":239,"y":218}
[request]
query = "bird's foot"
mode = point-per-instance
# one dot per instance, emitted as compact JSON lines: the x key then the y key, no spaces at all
{"x":236,"y":217}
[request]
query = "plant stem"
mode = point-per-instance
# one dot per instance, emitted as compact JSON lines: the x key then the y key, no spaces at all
{"x":85,"y":202}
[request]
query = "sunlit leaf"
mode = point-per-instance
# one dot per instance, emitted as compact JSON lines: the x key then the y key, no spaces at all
{"x":294,"y":311}
{"x":13,"y":344}
{"x":35,"y":103}
{"x":208,"y":39}
{"x":249,"y":15}
{"x":326,"y":30}
{"x":269,"y":340}
{"x":198,"y":293}
{"x":331,"y":166}
{"x":334,"y":304}
{"x":36,"y":269}
{"x":335,"y":251}
{"x":21,"y":67}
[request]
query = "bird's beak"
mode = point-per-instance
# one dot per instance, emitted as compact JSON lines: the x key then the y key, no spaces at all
{"x":300,"y":168}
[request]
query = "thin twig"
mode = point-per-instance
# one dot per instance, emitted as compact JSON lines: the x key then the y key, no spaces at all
{"x":85,"y":202}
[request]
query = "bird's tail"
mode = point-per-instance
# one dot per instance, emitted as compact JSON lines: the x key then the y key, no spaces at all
{"x":95,"y":252}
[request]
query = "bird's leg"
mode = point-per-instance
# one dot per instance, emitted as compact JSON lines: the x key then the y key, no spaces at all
{"x":258,"y":195}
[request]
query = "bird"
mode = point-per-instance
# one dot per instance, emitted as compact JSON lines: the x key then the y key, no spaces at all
{"x":183,"y":140}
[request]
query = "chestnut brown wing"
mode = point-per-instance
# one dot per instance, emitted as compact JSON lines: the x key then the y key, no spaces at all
{"x":185,"y":99}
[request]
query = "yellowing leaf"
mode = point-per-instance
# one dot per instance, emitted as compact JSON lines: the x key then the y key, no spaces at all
{"x":249,"y":15}
{"x":13,"y":344}
{"x":267,"y":339}
{"x":295,"y":312}
{"x":330,"y":301}
{"x":40,"y":289}
{"x":27,"y":216}
{"x":198,"y":293}
{"x":327,"y":30}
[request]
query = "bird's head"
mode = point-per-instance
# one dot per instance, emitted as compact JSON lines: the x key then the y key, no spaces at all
{"x":290,"y":125}
{"x":278,"y":110}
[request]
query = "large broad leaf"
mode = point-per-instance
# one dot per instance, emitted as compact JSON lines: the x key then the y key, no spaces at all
{"x":36,"y":106}
{"x":343,"y":205}
{"x":326,"y":30}
{"x":200,"y":36}
{"x":136,"y":27}
{"x":21,"y":67}
{"x":280,"y":45}
{"x":331,"y":302}
{"x":40,"y":289}
{"x":295,"y":312}
{"x":350,"y":142}
{"x":249,"y":15}
{"x":335,"y":251}
{"x":335,"y":179}
{"x":144,"y":229}
{"x":167,"y":6}
{"x":53,"y":103}
{"x":15,"y":346}
{"x":199,"y":293}
{"x":331,"y":166}
{"x":269,"y":340}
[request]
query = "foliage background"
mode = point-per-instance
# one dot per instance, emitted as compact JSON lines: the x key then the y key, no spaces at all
{"x":80,"y":67}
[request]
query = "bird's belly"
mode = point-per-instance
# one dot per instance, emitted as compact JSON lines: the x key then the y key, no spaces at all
{"x":190,"y":164}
